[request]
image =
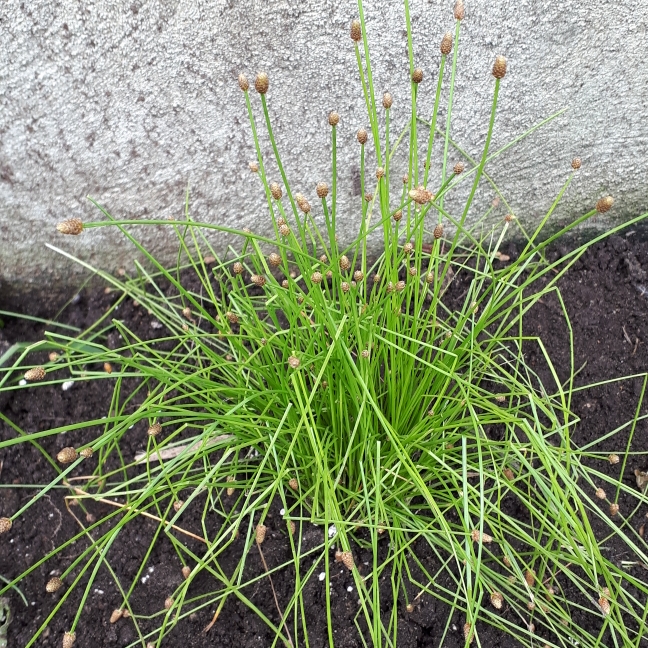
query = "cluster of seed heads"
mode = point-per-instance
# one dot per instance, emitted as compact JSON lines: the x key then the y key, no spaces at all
{"x":67,"y":455}
{"x":398,"y":215}
{"x":73,"y":226}
{"x":604,"y":204}
{"x":276,"y":191}
{"x":459,"y":12}
{"x":446,"y":43}
{"x":417,"y":75}
{"x":458,"y":168}
{"x":333,"y":118}
{"x":5,"y":525}
{"x":68,"y":639}
{"x":53,"y":585}
{"x":274,"y":259}
{"x":284,"y":230}
{"x":261,"y":83}
{"x":362,"y":136}
{"x":499,"y":67}
{"x":322,"y":189}
{"x":35,"y":374}
{"x":294,"y":362}
{"x":258,"y":280}
{"x":154,"y":430}
{"x":576,"y":163}
{"x":420,"y":195}
{"x":232,"y":318}
{"x":438,"y":231}
{"x":244,"y":84}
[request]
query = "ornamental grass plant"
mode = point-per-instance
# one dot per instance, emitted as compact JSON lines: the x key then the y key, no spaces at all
{"x":346,"y":382}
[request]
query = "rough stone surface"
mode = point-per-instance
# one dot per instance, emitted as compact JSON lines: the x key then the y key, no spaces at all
{"x":131,"y":102}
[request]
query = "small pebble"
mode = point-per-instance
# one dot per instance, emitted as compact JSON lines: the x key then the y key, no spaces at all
{"x":68,"y":384}
{"x":322,"y":576}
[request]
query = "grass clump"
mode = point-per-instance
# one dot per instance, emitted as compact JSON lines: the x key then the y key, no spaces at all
{"x":353,"y":385}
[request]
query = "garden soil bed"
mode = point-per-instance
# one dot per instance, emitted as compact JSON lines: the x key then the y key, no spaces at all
{"x":609,"y":315}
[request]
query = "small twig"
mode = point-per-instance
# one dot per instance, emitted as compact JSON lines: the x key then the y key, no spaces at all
{"x":636,"y":345}
{"x":171,"y":453}
{"x":627,"y":337}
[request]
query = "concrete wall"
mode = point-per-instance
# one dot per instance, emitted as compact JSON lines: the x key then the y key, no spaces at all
{"x":132,"y":101}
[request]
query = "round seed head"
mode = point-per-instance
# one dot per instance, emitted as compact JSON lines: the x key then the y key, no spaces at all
{"x":186,"y":572}
{"x":499,"y":67}
{"x":604,"y":204}
{"x":237,"y":268}
{"x":293,"y":483}
{"x":600,"y":493}
{"x":35,"y":374}
{"x":261,"y":83}
{"x":613,"y":459}
{"x":284,"y":283}
{"x":368,"y":197}
{"x":284,"y":230}
{"x":376,"y":278}
{"x":274,"y":259}
{"x":380,"y":172}
{"x":294,"y":362}
{"x":154,"y":430}
{"x":260,"y":533}
{"x":177,"y":505}
{"x":614,"y":509}
{"x":421,"y":195}
{"x":68,"y":639}
{"x":258,"y":280}
{"x":107,"y":367}
{"x":390,"y":287}
{"x":53,"y":584}
{"x":506,"y":560}
{"x":67,"y":455}
{"x":254,"y":167}
{"x":244,"y":84}
{"x":53,"y":356}
{"x":86,"y":453}
{"x":509,"y":218}
{"x":531,"y":605}
{"x":73,"y":226}
{"x":333,"y":118}
{"x":438,"y":231}
{"x":458,"y":168}
{"x":362,"y":136}
{"x":398,"y":215}
{"x":358,"y":276}
{"x":322,"y":189}
{"x":345,"y":264}
{"x":324,"y":258}
{"x":529,"y":577}
{"x":429,"y":278}
{"x":400,"y":286}
{"x":409,"y":607}
{"x":347,"y":559}
{"x":276,"y":191}
{"x":116,"y":615}
{"x":316,"y":277}
{"x":417,"y":75}
{"x":408,"y":247}
{"x":232,"y":318}
{"x":168,"y":603}
{"x":576,"y":163}
{"x":497,"y":600}
{"x":345,"y":287}
{"x":468,"y":633}
{"x":387,"y":101}
{"x":186,"y":313}
{"x":459,"y":11}
{"x":365,"y":353}
{"x":446,"y":43}
{"x":356,"y":31}
{"x":5,"y":525}
{"x":405,"y":179}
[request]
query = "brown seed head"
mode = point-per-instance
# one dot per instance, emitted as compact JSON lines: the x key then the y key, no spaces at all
{"x":345,"y":264}
{"x":305,"y":206}
{"x":446,"y":43}
{"x":274,"y":259}
{"x":261,"y":83}
{"x":405,"y":179}
{"x":408,"y":247}
{"x":86,"y":453}
{"x":468,"y":632}
{"x":459,"y":11}
{"x":368,"y":197}
{"x":429,"y":278}
{"x":276,"y":191}
{"x":400,"y":286}
{"x":365,"y":353}
{"x":614,"y":509}
{"x":417,"y":75}
{"x":294,"y":362}
{"x":600,"y":493}
{"x":53,"y":356}
{"x":529,"y":577}
{"x":333,"y":118}
{"x":5,"y":525}
{"x":398,"y":215}
{"x":480,"y":537}
{"x":260,"y":533}
{"x":576,"y":163}
{"x":376,"y":278}
{"x":531,"y":605}
{"x":186,"y":313}
{"x":387,"y":101}
{"x":322,"y":189}
{"x":421,"y":195}
{"x":345,"y":287}
{"x":438,"y":231}
{"x":284,"y":230}
{"x":35,"y":374}
{"x":116,"y":615}
{"x":347,"y":559}
{"x":254,"y":167}
{"x":108,"y":367}
{"x":324,"y":258}
{"x":258,"y":280}
{"x":237,"y":268}
{"x":604,"y":204}
{"x":244,"y":84}
{"x":154,"y":430}
{"x":604,"y":604}
{"x":458,"y":168}
{"x":67,"y":455}
{"x":284,"y":283}
{"x":499,"y":67}
{"x":506,"y":560}
{"x":362,"y":136}
{"x":177,"y":505}
{"x":186,"y":572}
{"x":356,"y":31}
{"x":316,"y":277}
{"x":72,"y":226}
{"x":68,"y":639}
{"x":293,"y":483}
{"x":168,"y":603}
{"x":232,"y":318}
{"x":613,"y":459}
{"x":380,"y":172}
{"x":358,"y":276}
{"x":497,"y":600}
{"x":292,"y":527}
{"x":509,"y":218}
{"x":53,"y":584}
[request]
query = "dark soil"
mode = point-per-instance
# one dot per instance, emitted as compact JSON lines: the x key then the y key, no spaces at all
{"x":609,"y":315}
